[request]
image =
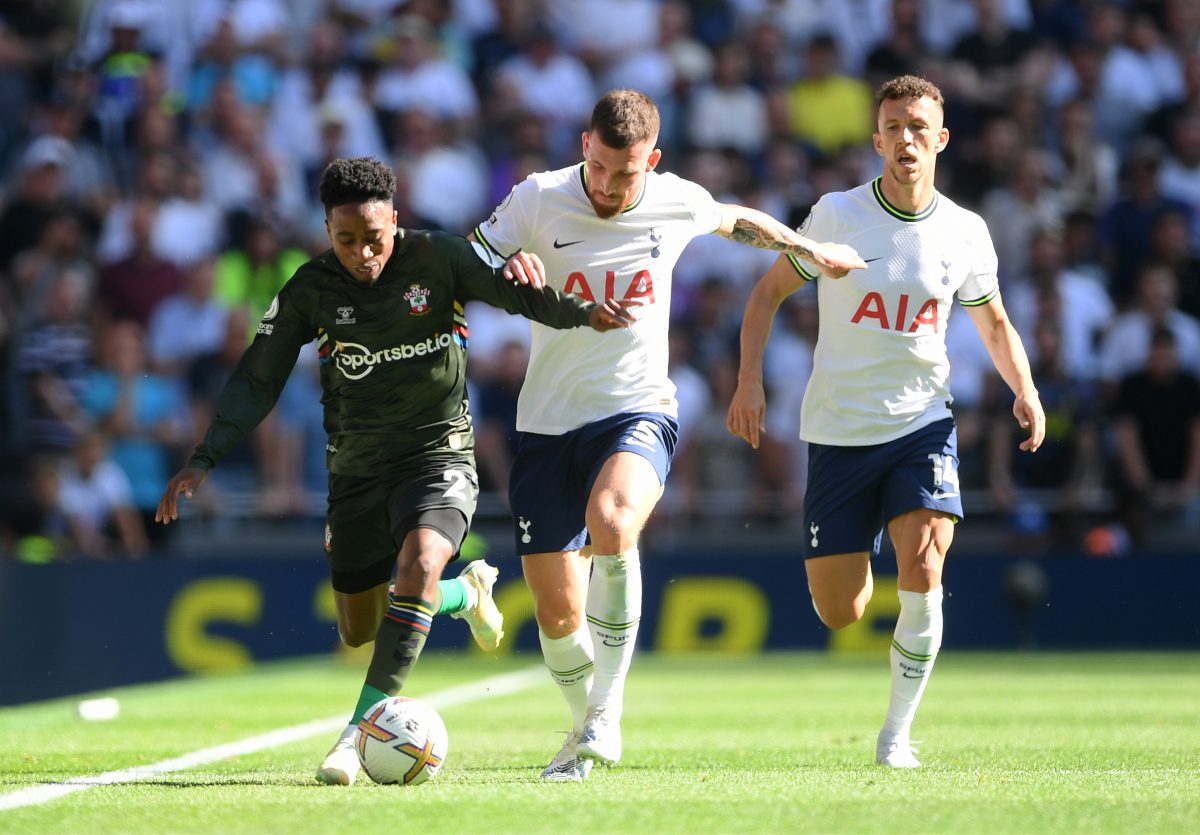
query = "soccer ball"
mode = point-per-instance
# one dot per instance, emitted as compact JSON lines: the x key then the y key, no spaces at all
{"x":401,"y":740}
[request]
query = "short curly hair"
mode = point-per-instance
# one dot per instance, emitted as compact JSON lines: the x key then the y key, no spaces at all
{"x":356,"y":180}
{"x":908,"y":87}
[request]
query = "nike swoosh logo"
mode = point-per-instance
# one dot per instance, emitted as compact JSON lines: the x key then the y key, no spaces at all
{"x":869,"y":260}
{"x":557,"y":245}
{"x":941,"y":494}
{"x":906,"y":675}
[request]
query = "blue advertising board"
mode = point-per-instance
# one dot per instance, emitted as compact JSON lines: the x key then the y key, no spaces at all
{"x":69,"y":628}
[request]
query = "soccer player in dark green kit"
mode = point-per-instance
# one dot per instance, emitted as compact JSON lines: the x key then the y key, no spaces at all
{"x":386,"y":308}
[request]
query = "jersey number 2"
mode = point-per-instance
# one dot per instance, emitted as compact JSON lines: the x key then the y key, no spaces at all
{"x":458,"y":485}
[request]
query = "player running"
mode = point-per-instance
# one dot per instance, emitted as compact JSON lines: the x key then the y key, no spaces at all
{"x":598,"y":416}
{"x":386,"y":308}
{"x":876,"y":413}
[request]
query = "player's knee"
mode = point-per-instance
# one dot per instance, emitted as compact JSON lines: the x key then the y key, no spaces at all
{"x":423,"y":566}
{"x":557,"y":620}
{"x":838,"y":614}
{"x":613,"y":527}
{"x":356,"y":635}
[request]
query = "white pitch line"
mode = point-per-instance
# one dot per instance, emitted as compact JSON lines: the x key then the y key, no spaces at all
{"x":501,"y":685}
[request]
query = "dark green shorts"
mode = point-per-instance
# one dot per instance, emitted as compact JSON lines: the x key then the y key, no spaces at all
{"x":369,"y":517}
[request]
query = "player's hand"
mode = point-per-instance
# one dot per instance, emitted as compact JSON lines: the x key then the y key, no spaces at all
{"x":1028,"y":411}
{"x":748,"y":412}
{"x":613,"y":314}
{"x":526,"y":268}
{"x":186,"y":481}
{"x":835,"y":260}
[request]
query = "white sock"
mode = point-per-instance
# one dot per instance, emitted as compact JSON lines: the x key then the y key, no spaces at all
{"x":614,"y":610}
{"x":570,"y":662}
{"x":915,"y":645}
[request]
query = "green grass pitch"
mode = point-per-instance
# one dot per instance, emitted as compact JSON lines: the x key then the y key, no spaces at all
{"x":779,"y":743}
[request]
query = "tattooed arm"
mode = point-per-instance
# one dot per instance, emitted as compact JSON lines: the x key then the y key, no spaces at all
{"x":758,"y":229}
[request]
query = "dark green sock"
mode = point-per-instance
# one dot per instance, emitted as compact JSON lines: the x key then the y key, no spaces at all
{"x":454,"y":596}
{"x":401,"y":636}
{"x":368,"y":697}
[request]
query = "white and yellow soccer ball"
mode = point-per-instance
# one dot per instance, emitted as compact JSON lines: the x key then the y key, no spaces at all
{"x":401,"y":741}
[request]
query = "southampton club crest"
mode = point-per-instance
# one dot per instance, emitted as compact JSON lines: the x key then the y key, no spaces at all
{"x":418,"y":299}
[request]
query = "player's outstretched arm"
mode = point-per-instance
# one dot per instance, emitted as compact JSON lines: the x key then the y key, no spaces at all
{"x":758,"y":229}
{"x":1008,"y":355}
{"x":748,"y":409}
{"x":186,"y":481}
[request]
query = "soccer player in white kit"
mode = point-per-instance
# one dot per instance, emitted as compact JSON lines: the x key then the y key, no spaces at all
{"x":876,"y":412}
{"x":598,"y":420}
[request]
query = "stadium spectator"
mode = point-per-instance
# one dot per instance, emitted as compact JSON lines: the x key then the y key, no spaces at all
{"x":156,"y":184}
{"x":52,"y":358}
{"x":554,"y":84}
{"x":1077,"y":304}
{"x":495,"y":44}
{"x":1084,"y":167}
{"x":1126,"y":347}
{"x":40,"y":193}
{"x":1014,"y":211}
{"x":1125,"y":227}
{"x":90,"y":181}
{"x":1179,"y":176}
{"x":415,"y":75}
{"x":245,"y":51}
{"x":96,"y":499}
{"x":242,"y":173}
{"x":828,"y":109}
{"x":141,"y":414}
{"x":1171,"y":245}
{"x":188,"y":227}
{"x":903,"y":51}
{"x":134,"y":286}
{"x":728,"y":112}
{"x":447,"y":180}
{"x":249,"y":274}
{"x":1157,"y":412}
{"x":62,"y":246}
{"x":33,"y":527}
{"x":988,"y":163}
{"x":319,"y":91}
{"x":1067,"y":457}
{"x":187,"y":325}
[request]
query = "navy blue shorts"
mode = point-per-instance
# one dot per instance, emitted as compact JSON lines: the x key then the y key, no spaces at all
{"x":854,"y":490}
{"x":552,"y":475}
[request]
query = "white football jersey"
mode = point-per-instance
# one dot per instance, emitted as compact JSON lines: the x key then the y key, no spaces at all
{"x":579,"y":376}
{"x":880,"y":367}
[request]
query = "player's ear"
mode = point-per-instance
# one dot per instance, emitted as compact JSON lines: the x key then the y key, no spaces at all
{"x":653,"y":159}
{"x":943,"y":139}
{"x":585,"y":139}
{"x":877,"y":141}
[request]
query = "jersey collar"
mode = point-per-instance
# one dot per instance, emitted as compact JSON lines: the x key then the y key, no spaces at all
{"x":583,"y":182}
{"x":900,"y":214}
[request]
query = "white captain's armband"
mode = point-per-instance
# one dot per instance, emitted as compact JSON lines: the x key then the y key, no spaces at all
{"x":487,"y":256}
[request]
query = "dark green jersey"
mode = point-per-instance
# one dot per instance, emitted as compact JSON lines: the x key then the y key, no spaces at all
{"x":393,"y":353}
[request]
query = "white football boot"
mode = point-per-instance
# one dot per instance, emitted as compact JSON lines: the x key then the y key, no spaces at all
{"x":485,"y":620}
{"x":601,"y":737}
{"x":566,"y":767}
{"x":341,"y":764}
{"x":895,"y":751}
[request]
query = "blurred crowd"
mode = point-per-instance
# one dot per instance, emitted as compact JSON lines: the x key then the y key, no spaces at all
{"x":160,"y":161}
